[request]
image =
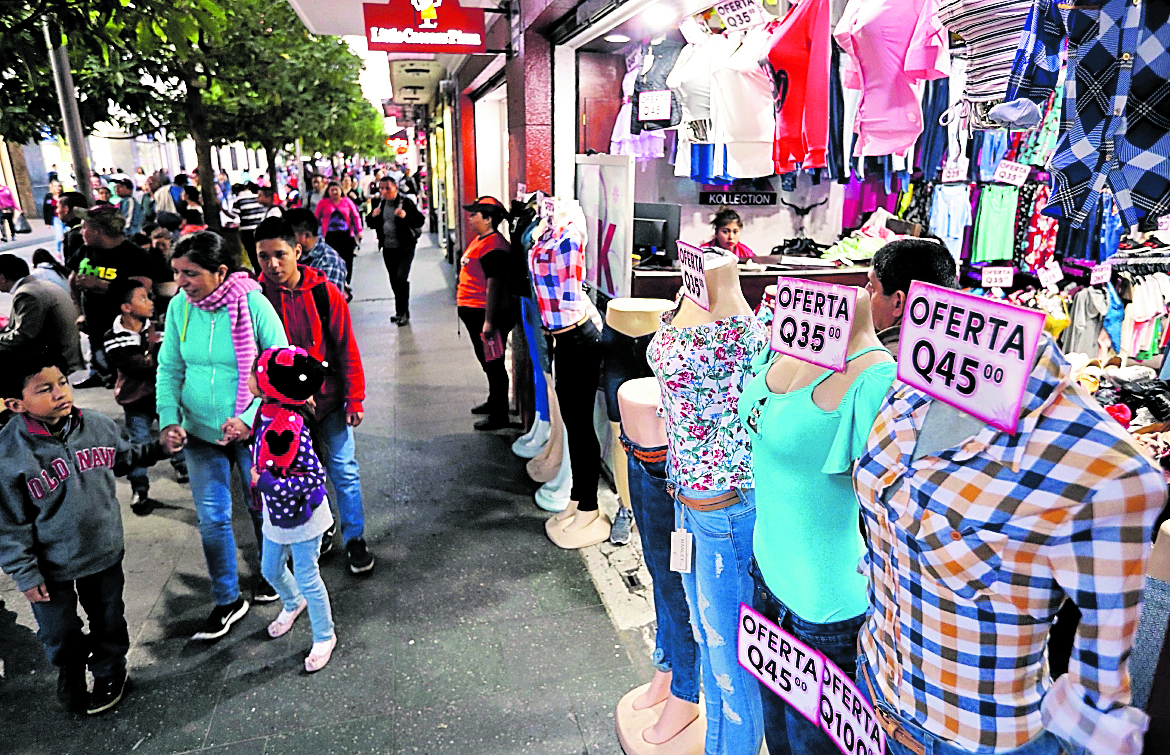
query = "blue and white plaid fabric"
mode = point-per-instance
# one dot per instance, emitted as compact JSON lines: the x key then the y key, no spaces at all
{"x":1116,"y":114}
{"x":327,"y":261}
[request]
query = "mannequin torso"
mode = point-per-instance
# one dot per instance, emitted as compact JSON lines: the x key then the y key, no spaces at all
{"x":726,"y":296}
{"x":639,"y":401}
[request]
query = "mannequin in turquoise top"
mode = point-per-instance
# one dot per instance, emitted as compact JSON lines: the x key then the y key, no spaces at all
{"x":807,"y":426}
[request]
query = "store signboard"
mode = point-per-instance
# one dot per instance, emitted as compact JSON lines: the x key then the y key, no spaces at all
{"x":738,"y":198}
{"x":972,"y":353}
{"x":738,"y":15}
{"x":439,"y":26}
{"x":812,"y":321}
{"x":694,"y":274}
{"x":810,"y":683}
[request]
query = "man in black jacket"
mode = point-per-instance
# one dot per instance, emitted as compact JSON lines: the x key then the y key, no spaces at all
{"x":398,"y":223}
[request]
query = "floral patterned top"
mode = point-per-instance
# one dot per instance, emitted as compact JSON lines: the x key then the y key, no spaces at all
{"x":701,"y":371}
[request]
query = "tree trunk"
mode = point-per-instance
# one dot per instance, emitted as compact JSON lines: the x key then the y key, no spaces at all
{"x":270,"y":155}
{"x":196,"y":111}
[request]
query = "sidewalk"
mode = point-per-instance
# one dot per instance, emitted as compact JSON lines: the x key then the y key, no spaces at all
{"x":474,"y":635}
{"x":25,"y":243}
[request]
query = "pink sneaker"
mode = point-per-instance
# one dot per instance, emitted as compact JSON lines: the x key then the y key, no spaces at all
{"x":320,"y":654}
{"x":284,"y":620}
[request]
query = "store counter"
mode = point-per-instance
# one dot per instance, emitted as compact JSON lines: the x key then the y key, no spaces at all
{"x":664,"y":284}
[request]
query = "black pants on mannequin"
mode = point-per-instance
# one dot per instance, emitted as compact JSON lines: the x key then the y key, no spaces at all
{"x":496,"y":370}
{"x":576,"y":359}
{"x":344,"y":244}
{"x":398,"y":262}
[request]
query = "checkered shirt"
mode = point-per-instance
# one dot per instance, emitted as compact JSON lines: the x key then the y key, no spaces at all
{"x":973,"y":550}
{"x":327,"y":261}
{"x":557,"y":264}
{"x":1116,"y":115}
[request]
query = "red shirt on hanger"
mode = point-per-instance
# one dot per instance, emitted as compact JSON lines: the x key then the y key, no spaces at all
{"x":799,"y":59}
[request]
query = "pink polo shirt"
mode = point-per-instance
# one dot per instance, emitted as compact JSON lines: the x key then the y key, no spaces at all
{"x":890,"y":46}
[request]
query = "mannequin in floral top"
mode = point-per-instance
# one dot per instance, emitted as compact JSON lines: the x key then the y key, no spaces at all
{"x":701,"y":360}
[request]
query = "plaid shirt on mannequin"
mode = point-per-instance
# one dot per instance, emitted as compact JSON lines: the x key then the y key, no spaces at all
{"x":557,"y":265}
{"x":972,"y":551}
{"x":1116,"y":116}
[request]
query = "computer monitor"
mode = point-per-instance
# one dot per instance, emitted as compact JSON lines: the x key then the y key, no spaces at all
{"x":656,"y":226}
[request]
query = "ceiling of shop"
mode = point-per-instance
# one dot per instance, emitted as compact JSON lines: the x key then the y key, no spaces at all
{"x":415,"y":81}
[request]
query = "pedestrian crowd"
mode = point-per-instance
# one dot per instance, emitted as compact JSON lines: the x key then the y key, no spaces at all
{"x":217,"y":367}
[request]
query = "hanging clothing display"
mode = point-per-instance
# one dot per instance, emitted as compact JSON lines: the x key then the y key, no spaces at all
{"x":950,"y":215}
{"x":799,"y":63}
{"x":744,"y":125}
{"x":995,"y":223}
{"x":645,"y":146}
{"x":992,"y":30}
{"x":1118,"y":133}
{"x":657,"y":61}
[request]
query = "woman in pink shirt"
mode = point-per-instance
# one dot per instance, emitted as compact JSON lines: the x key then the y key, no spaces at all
{"x":341,"y":223}
{"x":728,"y":225}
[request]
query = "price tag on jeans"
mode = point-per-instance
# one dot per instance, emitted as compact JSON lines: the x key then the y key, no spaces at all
{"x":781,"y":662}
{"x":740,"y":14}
{"x":694,"y":274}
{"x":998,"y":277}
{"x":682,"y":544}
{"x":654,"y":105}
{"x":1101,"y":273}
{"x":812,"y":321}
{"x":1013,"y":173}
{"x":847,"y":716}
{"x":970,"y":352}
{"x":956,"y":171}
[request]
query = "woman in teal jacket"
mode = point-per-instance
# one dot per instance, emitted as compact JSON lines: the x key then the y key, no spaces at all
{"x":216,"y":326}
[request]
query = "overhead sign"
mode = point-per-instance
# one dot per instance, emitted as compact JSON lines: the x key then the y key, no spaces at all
{"x":694,"y":274}
{"x":440,"y":26}
{"x":738,"y":198}
{"x":812,"y":321}
{"x":972,"y":353}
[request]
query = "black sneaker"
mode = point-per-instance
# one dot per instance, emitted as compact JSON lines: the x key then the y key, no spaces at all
{"x":264,"y":593}
{"x":221,"y":620}
{"x":403,"y":320}
{"x":484,"y":408}
{"x":492,"y":423}
{"x":71,"y":689}
{"x":327,"y":541}
{"x":141,"y":504}
{"x":360,"y":559}
{"x":107,"y":692}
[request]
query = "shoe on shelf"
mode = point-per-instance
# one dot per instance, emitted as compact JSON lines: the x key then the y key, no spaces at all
{"x":107,"y":692}
{"x":492,"y":423}
{"x":284,"y":620}
{"x":320,"y":654}
{"x":359,"y":557}
{"x":484,"y":408}
{"x":403,"y":320}
{"x":327,"y":541}
{"x":93,"y":381}
{"x":264,"y":593}
{"x":71,"y":689}
{"x":141,"y":504}
{"x":623,"y":524}
{"x":221,"y":620}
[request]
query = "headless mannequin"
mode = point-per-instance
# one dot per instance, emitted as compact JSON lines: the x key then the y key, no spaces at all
{"x":1157,"y":567}
{"x":639,"y":401}
{"x":788,"y":374}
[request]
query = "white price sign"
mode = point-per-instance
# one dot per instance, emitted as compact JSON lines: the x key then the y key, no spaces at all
{"x":972,"y":353}
{"x":783,"y":663}
{"x":1050,"y":274}
{"x":1013,"y":173}
{"x":812,"y":684}
{"x":956,"y":171}
{"x":1101,"y":273}
{"x":740,"y":14}
{"x":812,"y":321}
{"x":654,"y":106}
{"x":694,"y":274}
{"x":1164,"y":223}
{"x":521,"y":191}
{"x":998,"y":277}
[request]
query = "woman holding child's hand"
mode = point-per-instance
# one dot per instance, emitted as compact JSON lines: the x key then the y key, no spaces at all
{"x":216,"y":327}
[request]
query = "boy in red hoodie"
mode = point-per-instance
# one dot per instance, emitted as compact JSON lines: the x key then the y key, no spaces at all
{"x":316,"y":318}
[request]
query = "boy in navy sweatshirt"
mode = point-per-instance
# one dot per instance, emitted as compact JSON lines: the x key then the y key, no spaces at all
{"x":61,"y":527}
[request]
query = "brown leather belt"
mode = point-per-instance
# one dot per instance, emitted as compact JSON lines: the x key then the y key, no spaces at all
{"x":891,"y":725}
{"x":567,"y":328}
{"x":730,"y":498}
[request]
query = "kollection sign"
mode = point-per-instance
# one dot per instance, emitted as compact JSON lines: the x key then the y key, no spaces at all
{"x":812,"y":321}
{"x":810,"y":683}
{"x":972,"y":353}
{"x":441,"y":26}
{"x":738,"y":198}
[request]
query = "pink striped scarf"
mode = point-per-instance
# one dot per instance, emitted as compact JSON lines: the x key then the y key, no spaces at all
{"x":233,"y":294}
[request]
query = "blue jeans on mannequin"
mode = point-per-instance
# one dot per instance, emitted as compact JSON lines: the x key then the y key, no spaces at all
{"x":675,"y":650}
{"x":717,"y":583}
{"x":210,"y":468}
{"x":307,"y":585}
{"x":342,"y":469}
{"x":786,"y":730}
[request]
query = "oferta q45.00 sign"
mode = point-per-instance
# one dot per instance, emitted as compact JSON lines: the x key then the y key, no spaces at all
{"x":424,"y":26}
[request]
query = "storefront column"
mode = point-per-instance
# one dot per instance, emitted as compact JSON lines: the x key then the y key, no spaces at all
{"x":469,"y":188}
{"x":530,"y":137}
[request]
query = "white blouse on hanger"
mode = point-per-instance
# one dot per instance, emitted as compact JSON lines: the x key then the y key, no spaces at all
{"x":743,"y":107}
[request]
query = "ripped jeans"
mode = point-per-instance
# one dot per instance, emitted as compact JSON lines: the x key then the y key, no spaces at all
{"x":717,"y":583}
